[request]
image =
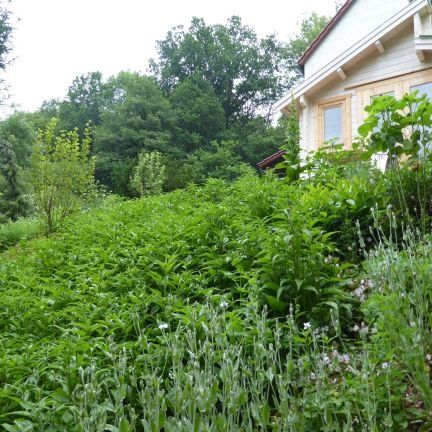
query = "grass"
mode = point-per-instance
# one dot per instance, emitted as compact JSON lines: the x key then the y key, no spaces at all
{"x":223,"y":308}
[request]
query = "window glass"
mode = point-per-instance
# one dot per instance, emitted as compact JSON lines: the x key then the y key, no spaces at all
{"x":333,"y":124}
{"x":424,"y":89}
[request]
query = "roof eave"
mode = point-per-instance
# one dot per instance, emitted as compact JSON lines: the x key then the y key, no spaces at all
{"x":327,"y":29}
{"x":348,"y":55}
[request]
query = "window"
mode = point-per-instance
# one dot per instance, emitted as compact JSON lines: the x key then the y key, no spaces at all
{"x":333,"y":125}
{"x":390,"y":93}
{"x":334,"y":122}
{"x":423,"y":89}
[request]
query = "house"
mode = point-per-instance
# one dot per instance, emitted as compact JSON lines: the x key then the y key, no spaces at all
{"x":370,"y":48}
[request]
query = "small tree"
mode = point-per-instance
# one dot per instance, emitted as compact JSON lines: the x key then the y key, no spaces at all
{"x":149,"y":174}
{"x":61,"y":172}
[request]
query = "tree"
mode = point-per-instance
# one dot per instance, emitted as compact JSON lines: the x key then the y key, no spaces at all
{"x":149,"y":174}
{"x":6,"y":30}
{"x":137,"y":118}
{"x":84,"y":103}
{"x":20,"y":133}
{"x":12,"y":201}
{"x":310,"y":28}
{"x":61,"y":172}
{"x":256,"y":139}
{"x":199,"y":113}
{"x":246,"y":73}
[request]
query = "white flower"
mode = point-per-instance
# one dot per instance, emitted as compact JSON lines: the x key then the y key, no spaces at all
{"x":364,"y":328}
{"x":223,"y":304}
{"x":356,"y":328}
{"x":326,"y":359}
{"x":307,"y":326}
{"x":428,"y":357}
{"x":385,"y":365}
{"x":163,"y":326}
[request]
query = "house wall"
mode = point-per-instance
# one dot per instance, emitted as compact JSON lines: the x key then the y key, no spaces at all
{"x":396,"y":70}
{"x":363,"y":17}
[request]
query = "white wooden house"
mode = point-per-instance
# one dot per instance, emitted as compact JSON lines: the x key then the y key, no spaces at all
{"x":370,"y":48}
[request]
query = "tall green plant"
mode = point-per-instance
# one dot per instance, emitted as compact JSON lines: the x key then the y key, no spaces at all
{"x":62,"y":172}
{"x":12,"y":201}
{"x":403,"y":129}
{"x":149,"y":175}
{"x":291,"y":145}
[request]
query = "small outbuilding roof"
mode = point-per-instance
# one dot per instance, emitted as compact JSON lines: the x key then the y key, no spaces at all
{"x":272,"y":160}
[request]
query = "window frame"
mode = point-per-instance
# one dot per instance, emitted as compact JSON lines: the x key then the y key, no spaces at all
{"x":343,"y":101}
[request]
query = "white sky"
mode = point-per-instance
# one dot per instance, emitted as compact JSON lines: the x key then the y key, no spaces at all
{"x":56,"y":40}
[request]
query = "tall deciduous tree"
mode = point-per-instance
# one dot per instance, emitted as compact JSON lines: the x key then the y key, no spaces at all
{"x":137,"y":118}
{"x":86,"y":98}
{"x":199,"y":113}
{"x":245,"y":72}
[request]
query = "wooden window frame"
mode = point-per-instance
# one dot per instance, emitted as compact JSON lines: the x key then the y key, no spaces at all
{"x":345,"y":102}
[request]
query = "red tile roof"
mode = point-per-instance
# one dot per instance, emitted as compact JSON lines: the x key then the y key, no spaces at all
{"x":327,"y":29}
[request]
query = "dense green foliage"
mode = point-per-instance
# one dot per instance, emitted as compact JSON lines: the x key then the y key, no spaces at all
{"x":226,"y":307}
{"x":205,"y":106}
{"x":243,"y":304}
{"x":61,"y":173}
{"x":243,"y":70}
{"x":12,"y":201}
{"x":403,"y":129}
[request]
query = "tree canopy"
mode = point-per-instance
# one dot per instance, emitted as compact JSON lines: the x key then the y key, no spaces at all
{"x":246,"y":73}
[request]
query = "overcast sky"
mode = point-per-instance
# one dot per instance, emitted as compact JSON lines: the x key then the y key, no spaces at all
{"x":56,"y":40}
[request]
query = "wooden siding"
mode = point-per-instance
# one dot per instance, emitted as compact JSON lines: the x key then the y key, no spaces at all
{"x":375,"y":74}
{"x":362,"y":18}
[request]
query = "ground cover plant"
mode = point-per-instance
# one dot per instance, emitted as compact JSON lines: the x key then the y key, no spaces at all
{"x":226,"y":307}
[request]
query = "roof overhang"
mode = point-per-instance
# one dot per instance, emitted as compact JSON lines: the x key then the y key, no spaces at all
{"x":327,"y":29}
{"x":348,"y":56}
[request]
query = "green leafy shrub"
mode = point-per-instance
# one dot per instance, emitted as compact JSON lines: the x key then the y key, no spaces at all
{"x":149,"y":174}
{"x":61,"y":172}
{"x":220,"y":161}
{"x":12,"y":233}
{"x":221,"y":307}
{"x":403,"y":129}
